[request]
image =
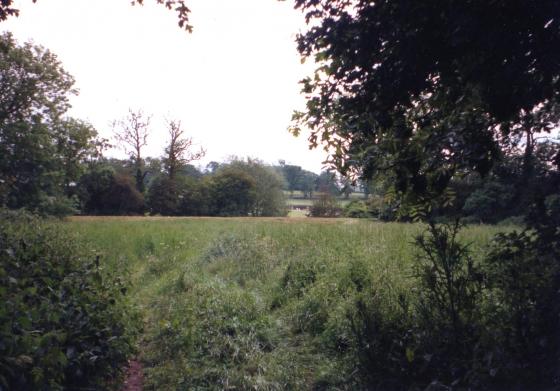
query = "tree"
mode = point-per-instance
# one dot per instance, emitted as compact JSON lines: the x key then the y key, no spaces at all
{"x":179,"y":150}
{"x":166,"y":191}
{"x":77,"y":145}
{"x":104,"y":192}
{"x":490,"y":202}
{"x":298,"y":179}
{"x":327,"y":183}
{"x":164,"y":196}
{"x":425,"y":92}
{"x":269,"y":199}
{"x":429,"y":89}
{"x":132,"y":134}
{"x":7,"y":9}
{"x":232,"y":192}
{"x":325,"y":206}
{"x":291,"y":174}
{"x":307,"y":182}
{"x":41,"y":150}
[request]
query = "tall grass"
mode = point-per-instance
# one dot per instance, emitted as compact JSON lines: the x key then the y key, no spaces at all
{"x":257,"y":304}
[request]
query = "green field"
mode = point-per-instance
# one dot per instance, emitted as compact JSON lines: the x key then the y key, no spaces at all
{"x":307,"y":202}
{"x":248,"y":303}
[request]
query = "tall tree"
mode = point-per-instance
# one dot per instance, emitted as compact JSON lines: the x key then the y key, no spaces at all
{"x":179,"y":150}
{"x":428,"y":89}
{"x":40,"y":149}
{"x":132,"y":134}
{"x":165,"y":192}
{"x":232,"y":192}
{"x":268,"y":199}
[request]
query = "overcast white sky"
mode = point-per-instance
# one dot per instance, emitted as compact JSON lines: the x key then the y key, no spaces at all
{"x":233,"y":82}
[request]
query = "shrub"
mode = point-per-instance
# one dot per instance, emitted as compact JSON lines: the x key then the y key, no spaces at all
{"x":325,"y":206}
{"x":357,"y":209}
{"x":232,"y":192}
{"x":490,"y":203}
{"x":449,"y":308}
{"x":63,"y":323}
{"x":163,"y":196}
{"x":524,"y":311}
{"x":60,"y":206}
{"x":103,"y":192}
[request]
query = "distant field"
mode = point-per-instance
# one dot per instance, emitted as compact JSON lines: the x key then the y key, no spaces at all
{"x":306,"y":202}
{"x":247,"y":303}
{"x":299,"y":194}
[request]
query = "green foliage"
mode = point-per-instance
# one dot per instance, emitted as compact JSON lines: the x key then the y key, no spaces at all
{"x":42,"y":153}
{"x":449,"y":304}
{"x":357,"y":209}
{"x":392,"y":94}
{"x":103,"y":192}
{"x":283,"y":294}
{"x":195,"y":197}
{"x":58,"y":206}
{"x":232,"y":192}
{"x":63,"y":321}
{"x":269,"y":198}
{"x":325,"y":206}
{"x":164,"y":196}
{"x":298,"y":179}
{"x":489,"y":203}
{"x":524,"y":281}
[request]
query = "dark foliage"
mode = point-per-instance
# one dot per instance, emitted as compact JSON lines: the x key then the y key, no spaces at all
{"x":524,"y":281}
{"x":427,"y":89}
{"x":63,"y":323}
{"x":42,"y":153}
{"x":103,"y":192}
{"x":232,"y":192}
{"x":325,"y":206}
{"x":486,"y":326}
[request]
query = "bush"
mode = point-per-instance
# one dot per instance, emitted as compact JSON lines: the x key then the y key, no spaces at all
{"x":486,"y":326}
{"x":524,"y":313}
{"x":357,"y":209}
{"x":381,"y":208}
{"x":62,"y":320}
{"x":232,"y":192}
{"x":163,"y":196}
{"x":103,"y":192}
{"x":490,"y":203}
{"x":60,"y":206}
{"x":325,"y":206}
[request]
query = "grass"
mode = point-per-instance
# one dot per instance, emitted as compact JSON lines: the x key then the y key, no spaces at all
{"x":307,"y":202}
{"x":246,"y":303}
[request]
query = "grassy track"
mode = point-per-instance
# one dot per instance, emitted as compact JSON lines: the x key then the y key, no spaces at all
{"x":251,"y":303}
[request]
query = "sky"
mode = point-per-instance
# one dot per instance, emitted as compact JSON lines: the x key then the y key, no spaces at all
{"x":233,"y":82}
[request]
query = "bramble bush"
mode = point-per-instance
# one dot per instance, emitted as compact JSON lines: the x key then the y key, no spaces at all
{"x":486,"y":325}
{"x":63,"y":322}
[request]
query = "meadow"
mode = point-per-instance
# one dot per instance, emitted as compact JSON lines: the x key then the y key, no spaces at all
{"x":261,"y":304}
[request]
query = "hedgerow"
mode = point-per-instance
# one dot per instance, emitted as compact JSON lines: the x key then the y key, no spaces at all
{"x":64,"y":323}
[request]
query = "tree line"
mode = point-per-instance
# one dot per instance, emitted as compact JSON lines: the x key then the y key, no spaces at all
{"x":54,"y":164}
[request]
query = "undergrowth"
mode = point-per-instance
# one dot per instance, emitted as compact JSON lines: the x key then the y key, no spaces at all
{"x":267,"y":305}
